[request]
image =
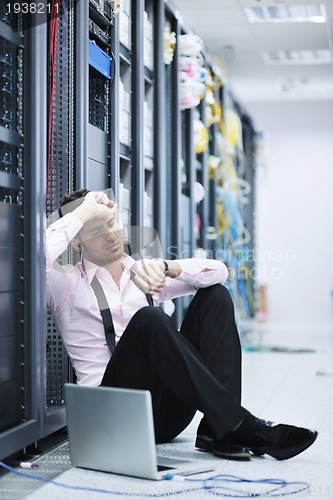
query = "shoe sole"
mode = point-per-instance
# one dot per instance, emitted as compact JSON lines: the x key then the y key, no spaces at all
{"x":243,"y":455}
{"x":204,"y":444}
{"x":284,"y":454}
{"x":207,"y":445}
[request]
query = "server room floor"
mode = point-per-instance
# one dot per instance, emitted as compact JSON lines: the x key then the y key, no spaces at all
{"x":293,"y":387}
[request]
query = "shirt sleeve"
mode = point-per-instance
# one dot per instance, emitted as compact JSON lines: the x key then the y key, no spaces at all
{"x":60,"y":234}
{"x":60,"y":279}
{"x":196,"y":273}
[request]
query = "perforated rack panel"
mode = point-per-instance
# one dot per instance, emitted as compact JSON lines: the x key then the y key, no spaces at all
{"x":99,"y":103}
{"x":60,"y":180}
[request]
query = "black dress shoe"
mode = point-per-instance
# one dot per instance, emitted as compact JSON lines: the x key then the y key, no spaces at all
{"x":280,"y":441}
{"x":225,"y":448}
{"x":229,"y":448}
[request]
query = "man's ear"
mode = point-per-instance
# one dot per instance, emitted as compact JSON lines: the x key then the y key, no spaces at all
{"x":77,"y":245}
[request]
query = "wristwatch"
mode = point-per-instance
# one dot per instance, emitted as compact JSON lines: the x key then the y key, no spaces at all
{"x":166,"y":268}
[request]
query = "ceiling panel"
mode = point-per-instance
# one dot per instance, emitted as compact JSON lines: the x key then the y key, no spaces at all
{"x":250,"y":91}
{"x":291,"y":34}
{"x":329,"y":8}
{"x":313,"y":72}
{"x":204,"y":6}
{"x":247,"y":62}
{"x":240,"y":45}
{"x":225,"y":32}
{"x":228,"y":36}
{"x":330,"y":29}
{"x":215,"y":17}
{"x":255,"y":3}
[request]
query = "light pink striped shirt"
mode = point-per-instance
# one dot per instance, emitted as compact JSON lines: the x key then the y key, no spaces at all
{"x":74,"y":306}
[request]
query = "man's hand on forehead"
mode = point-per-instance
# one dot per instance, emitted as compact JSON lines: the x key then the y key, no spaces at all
{"x":96,"y":204}
{"x":102,"y":198}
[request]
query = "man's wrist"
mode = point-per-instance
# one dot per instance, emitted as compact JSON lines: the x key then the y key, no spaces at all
{"x":174,"y":268}
{"x":82,"y":213}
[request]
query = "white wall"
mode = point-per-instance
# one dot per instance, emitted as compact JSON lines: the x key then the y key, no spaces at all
{"x":295,"y":212}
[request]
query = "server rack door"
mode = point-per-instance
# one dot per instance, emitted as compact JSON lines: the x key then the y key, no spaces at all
{"x":20,"y":159}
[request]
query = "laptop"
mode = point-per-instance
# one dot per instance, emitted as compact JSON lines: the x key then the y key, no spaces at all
{"x":112,"y":430}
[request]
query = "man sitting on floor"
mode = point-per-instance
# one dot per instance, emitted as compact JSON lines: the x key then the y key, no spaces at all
{"x":134,"y":344}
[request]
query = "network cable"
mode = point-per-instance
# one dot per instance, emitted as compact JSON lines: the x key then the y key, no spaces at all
{"x":270,"y":487}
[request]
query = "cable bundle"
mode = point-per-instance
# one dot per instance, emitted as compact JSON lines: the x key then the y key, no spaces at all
{"x":192,"y":74}
{"x":53,"y":49}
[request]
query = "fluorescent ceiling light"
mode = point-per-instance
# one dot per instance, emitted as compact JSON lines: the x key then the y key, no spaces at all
{"x":298,"y":57}
{"x":281,"y":13}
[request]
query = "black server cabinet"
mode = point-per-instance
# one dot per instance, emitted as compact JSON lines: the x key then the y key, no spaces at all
{"x":11,"y":234}
{"x":22,"y":155}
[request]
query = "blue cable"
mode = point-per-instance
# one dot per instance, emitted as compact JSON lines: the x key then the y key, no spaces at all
{"x":206,"y":484}
{"x":279,"y":483}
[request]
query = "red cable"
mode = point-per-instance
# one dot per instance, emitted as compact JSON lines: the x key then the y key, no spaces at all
{"x":53,"y":49}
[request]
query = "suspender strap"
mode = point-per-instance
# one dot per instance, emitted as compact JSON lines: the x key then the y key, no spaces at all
{"x":149,"y":299}
{"x":110,"y":333}
{"x":103,"y":305}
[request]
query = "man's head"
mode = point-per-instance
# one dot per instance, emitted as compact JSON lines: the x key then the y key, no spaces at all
{"x":100,"y":239}
{"x":71,"y":201}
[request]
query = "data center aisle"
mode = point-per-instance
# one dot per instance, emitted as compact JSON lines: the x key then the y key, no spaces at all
{"x":283,"y":386}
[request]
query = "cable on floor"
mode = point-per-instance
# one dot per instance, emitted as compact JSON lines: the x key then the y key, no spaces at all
{"x":271,"y":487}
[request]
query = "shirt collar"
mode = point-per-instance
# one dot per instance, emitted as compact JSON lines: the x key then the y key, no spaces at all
{"x":90,"y":268}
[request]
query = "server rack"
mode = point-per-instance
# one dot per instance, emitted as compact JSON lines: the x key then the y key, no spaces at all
{"x":161,"y":186}
{"x":249,"y":140}
{"x":202,"y":208}
{"x":213,"y":181}
{"x":190,"y":239}
{"x":122,"y":114}
{"x":60,"y":180}
{"x":22,"y":157}
{"x":12,"y":243}
{"x":171,"y":137}
{"x":101,"y":77}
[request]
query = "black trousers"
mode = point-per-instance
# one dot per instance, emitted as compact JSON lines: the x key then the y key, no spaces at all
{"x":198,"y":368}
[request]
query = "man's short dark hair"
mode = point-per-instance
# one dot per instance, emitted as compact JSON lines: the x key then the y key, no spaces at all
{"x":75,"y":199}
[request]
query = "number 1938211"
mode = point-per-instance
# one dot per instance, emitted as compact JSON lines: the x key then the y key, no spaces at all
{"x":32,"y":8}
